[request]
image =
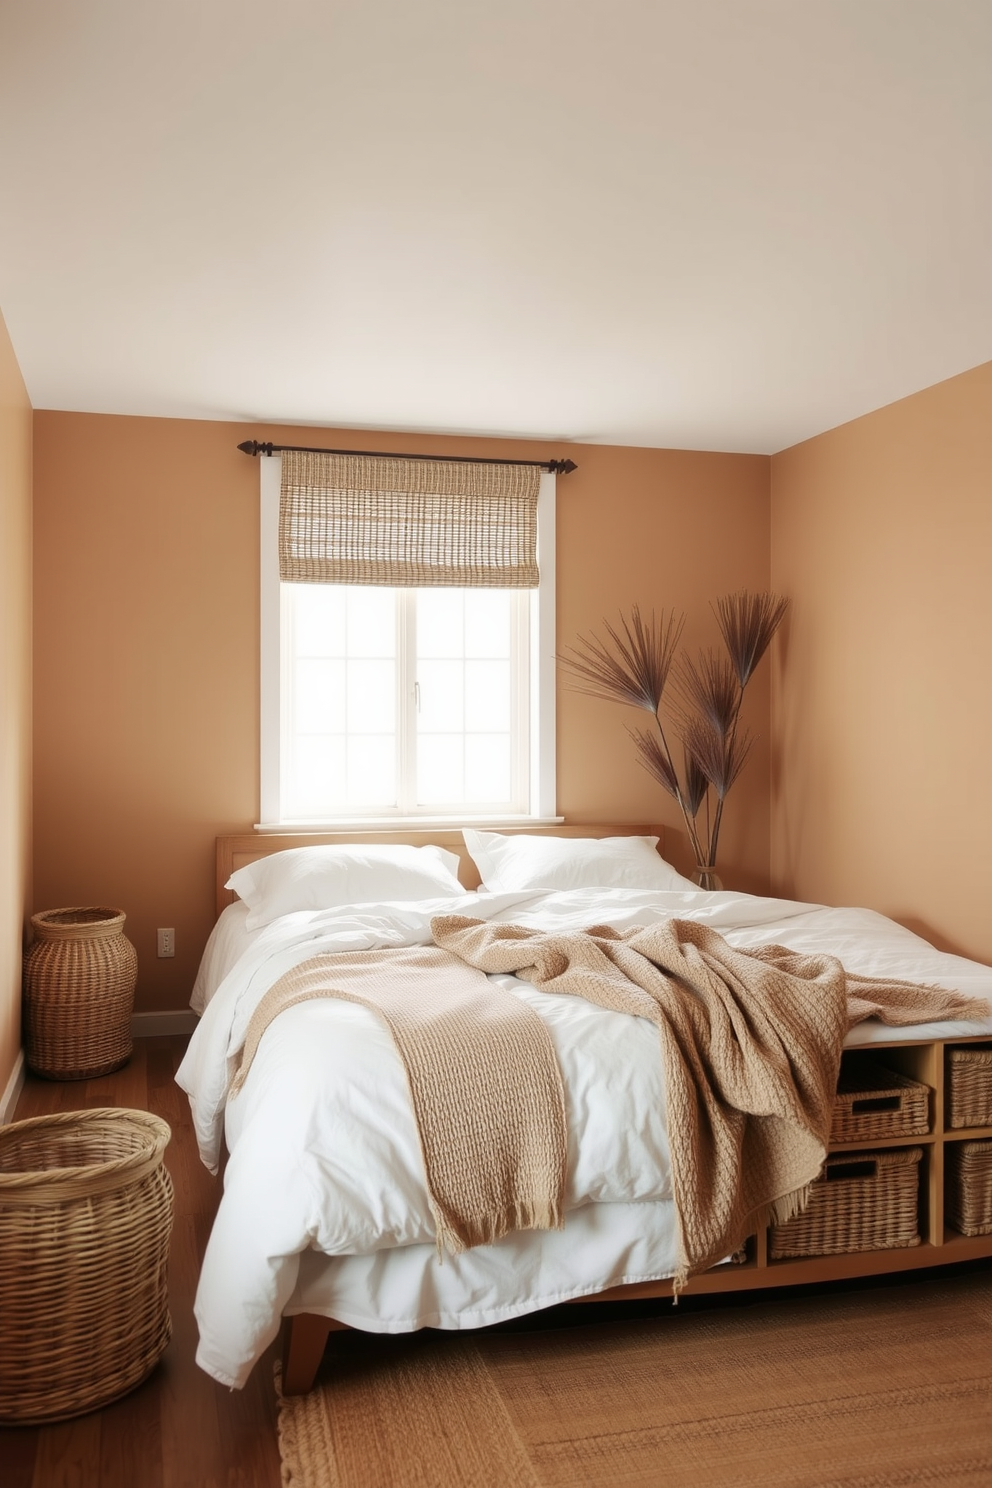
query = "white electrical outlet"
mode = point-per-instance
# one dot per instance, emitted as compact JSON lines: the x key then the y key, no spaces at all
{"x":167,"y":942}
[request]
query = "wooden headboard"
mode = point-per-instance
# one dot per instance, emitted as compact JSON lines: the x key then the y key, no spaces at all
{"x":247,"y":847}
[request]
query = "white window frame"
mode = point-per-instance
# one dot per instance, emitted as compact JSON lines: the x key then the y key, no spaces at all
{"x":273,"y":656}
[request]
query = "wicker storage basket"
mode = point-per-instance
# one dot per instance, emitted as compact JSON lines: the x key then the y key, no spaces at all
{"x":968,"y":1197}
{"x":79,"y":979}
{"x":863,"y":1201}
{"x":969,"y":1084}
{"x":85,"y":1216}
{"x":874,"y":1103}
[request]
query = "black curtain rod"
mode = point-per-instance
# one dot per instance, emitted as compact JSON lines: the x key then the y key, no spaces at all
{"x":553,"y":467}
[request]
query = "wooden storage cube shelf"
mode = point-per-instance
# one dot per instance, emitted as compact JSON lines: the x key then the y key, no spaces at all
{"x":884,"y":1213}
{"x":969,"y":1087}
{"x":968,"y":1188}
{"x":874,"y":1103}
{"x":863,"y":1201}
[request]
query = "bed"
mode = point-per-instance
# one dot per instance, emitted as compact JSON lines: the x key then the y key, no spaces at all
{"x":325,"y":1221}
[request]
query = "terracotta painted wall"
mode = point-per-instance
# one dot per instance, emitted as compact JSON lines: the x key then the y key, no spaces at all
{"x":146,"y":649}
{"x":15,"y":694}
{"x":883,"y":703}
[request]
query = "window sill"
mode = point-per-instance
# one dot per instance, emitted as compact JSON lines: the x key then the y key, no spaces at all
{"x":407,"y":824}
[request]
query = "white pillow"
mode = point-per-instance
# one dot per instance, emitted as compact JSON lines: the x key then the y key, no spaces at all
{"x":522,"y":861}
{"x":352,"y":873}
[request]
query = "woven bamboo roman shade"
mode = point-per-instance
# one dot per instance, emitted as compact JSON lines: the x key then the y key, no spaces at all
{"x":359,"y":519}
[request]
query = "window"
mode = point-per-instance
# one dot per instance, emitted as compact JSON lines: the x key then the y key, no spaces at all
{"x":407,"y":703}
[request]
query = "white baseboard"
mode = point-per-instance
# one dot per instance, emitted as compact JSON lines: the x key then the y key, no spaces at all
{"x":160,"y":1025}
{"x":14,"y":1087}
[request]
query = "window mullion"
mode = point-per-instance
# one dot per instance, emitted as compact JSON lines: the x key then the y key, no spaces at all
{"x":520,"y":700}
{"x":406,"y":700}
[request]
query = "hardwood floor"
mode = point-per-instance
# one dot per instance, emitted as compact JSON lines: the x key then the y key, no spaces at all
{"x":182,"y":1430}
{"x":179,"y":1429}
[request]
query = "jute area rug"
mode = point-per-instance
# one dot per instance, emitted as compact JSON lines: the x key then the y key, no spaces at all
{"x":885,"y":1388}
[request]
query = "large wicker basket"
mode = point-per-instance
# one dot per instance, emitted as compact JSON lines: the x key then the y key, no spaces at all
{"x":85,"y":1217}
{"x":865,"y":1201}
{"x":79,"y":979}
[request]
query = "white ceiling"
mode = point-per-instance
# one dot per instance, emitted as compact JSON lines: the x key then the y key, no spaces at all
{"x":710,"y":224}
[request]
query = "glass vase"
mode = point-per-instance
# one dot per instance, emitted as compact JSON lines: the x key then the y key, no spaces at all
{"x":705,"y":876}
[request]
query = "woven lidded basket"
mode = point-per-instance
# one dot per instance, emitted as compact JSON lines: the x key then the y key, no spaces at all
{"x":968,"y":1196}
{"x":79,"y":978}
{"x":863,"y":1201}
{"x":85,"y":1217}
{"x":969,"y":1085}
{"x":873,"y":1103}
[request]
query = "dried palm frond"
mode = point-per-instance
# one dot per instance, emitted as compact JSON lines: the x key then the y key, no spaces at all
{"x":633,"y":666}
{"x":695,"y":785}
{"x":747,"y":623}
{"x":720,"y":756}
{"x":710,"y":688}
{"x":655,"y":759}
{"x":652,"y":749}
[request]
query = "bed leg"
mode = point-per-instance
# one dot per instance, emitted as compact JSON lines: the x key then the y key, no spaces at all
{"x":303,"y":1341}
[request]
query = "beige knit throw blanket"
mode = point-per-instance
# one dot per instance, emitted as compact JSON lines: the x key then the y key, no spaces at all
{"x":484,"y":1081}
{"x":750,"y":1049}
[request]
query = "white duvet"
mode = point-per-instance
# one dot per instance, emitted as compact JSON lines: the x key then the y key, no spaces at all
{"x":324,"y":1158}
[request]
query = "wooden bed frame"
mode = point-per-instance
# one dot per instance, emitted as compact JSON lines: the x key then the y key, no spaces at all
{"x":305,"y":1334}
